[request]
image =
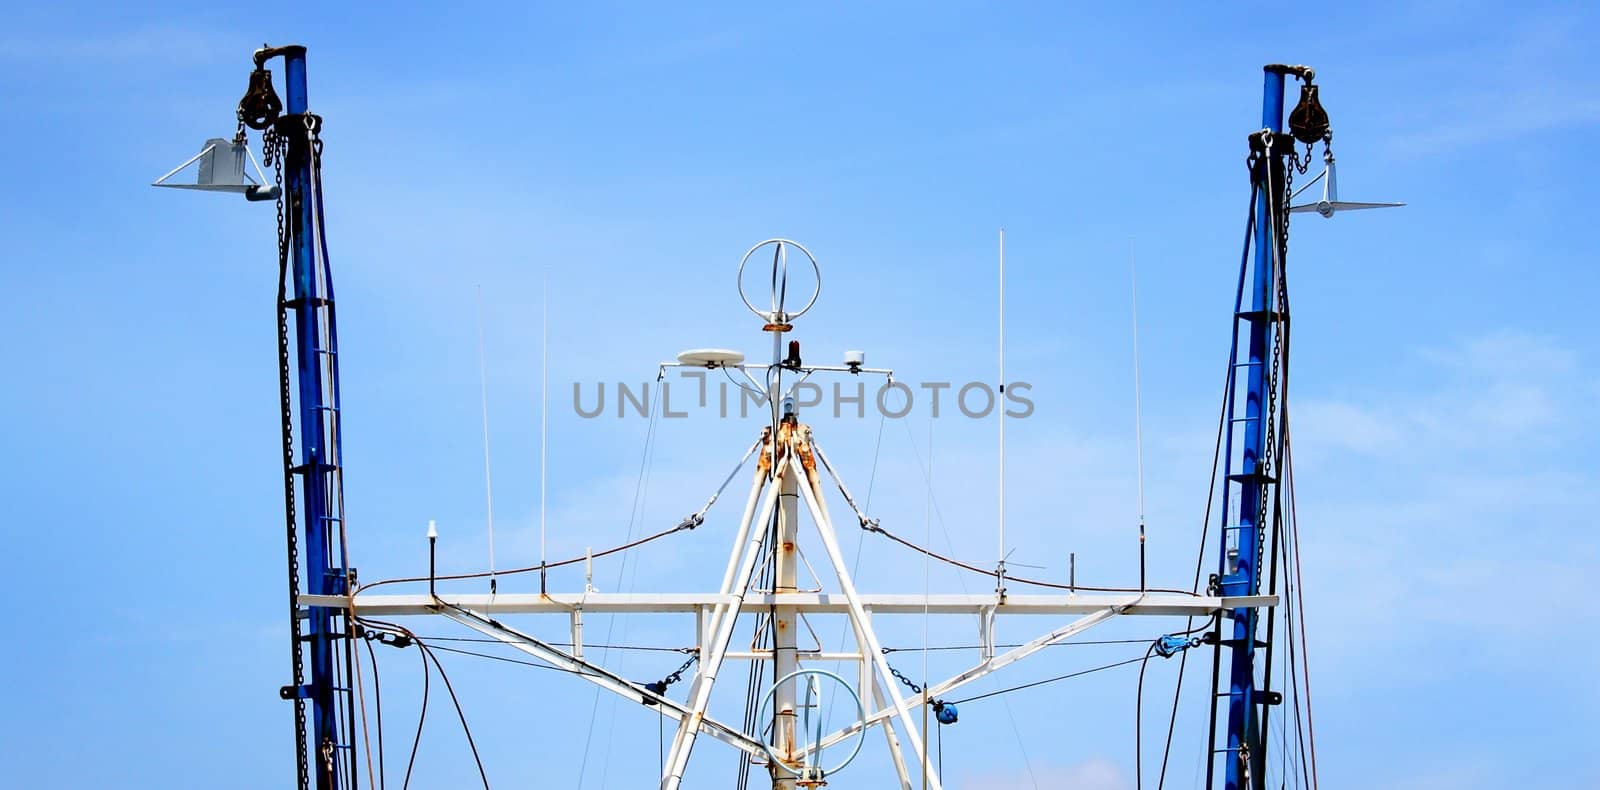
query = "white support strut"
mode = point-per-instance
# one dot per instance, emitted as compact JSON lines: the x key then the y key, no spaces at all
{"x":870,"y":645}
{"x":600,"y":676}
{"x":986,"y":667}
{"x":723,"y":619}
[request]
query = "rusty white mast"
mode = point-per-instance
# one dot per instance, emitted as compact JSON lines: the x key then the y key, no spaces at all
{"x":788,"y":483}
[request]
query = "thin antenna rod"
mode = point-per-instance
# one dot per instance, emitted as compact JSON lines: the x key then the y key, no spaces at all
{"x":1138,"y":418}
{"x":544,"y":408}
{"x":488,"y":486}
{"x":1000,"y":568}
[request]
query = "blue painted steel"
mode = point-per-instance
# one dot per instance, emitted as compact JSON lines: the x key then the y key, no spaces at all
{"x":1173,"y":644}
{"x":318,"y":430}
{"x":1239,"y":573}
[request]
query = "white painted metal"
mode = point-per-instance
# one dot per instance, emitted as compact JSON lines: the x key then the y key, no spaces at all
{"x":602,"y":677}
{"x":1330,"y":202}
{"x":785,"y":626}
{"x":710,"y":358}
{"x":870,"y":681}
{"x":987,"y":667}
{"x":1157,"y":604}
{"x":868,"y":638}
{"x":723,"y":617}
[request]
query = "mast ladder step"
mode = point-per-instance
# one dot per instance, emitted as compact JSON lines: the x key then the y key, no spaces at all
{"x":315,"y":301}
{"x":1260,"y":315}
{"x":304,"y":468}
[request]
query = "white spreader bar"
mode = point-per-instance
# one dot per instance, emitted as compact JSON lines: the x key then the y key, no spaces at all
{"x":1170,"y":604}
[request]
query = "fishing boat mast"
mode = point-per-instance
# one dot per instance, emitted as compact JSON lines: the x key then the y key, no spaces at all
{"x":329,"y":612}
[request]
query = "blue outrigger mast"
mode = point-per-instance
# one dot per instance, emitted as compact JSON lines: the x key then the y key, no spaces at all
{"x":316,"y":545}
{"x":1261,"y":361}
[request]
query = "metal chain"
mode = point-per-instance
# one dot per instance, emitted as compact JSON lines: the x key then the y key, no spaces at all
{"x":1277,"y":313}
{"x":659,"y":687}
{"x":274,"y":150}
{"x":677,"y":674}
{"x":915,"y":689}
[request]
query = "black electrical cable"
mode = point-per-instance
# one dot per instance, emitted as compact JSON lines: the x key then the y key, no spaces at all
{"x":465,"y":728}
{"x":377,"y":695}
{"x":1138,"y":720}
{"x":1211,"y":491}
{"x":422,"y":717}
{"x":1138,"y":703}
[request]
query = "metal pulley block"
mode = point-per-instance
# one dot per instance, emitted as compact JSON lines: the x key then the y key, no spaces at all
{"x":1308,"y":122}
{"x":260,"y":105}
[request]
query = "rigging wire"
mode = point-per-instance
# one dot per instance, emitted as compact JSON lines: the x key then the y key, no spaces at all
{"x":531,"y":568}
{"x":1211,"y":490}
{"x":967,"y":566}
{"x":688,"y":523}
{"x":937,"y":648}
{"x":493,"y":641}
{"x":1055,"y":679}
{"x":611,"y":623}
{"x":1300,"y":601}
{"x":933,"y":501}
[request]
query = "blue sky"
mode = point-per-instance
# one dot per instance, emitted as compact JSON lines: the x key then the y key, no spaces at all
{"x":1444,"y":369}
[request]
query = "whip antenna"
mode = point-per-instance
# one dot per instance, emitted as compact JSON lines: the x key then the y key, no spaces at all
{"x":1138,"y":419}
{"x":544,"y":412}
{"x":488,"y":486}
{"x":1000,"y":567}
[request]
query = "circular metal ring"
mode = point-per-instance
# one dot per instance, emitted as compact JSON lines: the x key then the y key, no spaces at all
{"x":861,"y":716}
{"x":777,"y":314}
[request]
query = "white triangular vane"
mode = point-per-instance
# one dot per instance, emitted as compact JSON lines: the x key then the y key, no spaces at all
{"x":220,"y":167}
{"x":1330,"y":202}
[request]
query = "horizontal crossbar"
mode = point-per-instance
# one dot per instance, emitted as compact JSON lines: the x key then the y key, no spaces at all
{"x":811,"y":603}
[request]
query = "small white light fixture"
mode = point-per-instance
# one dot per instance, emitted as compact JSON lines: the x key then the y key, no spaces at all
{"x":854,"y":360}
{"x":433,"y":530}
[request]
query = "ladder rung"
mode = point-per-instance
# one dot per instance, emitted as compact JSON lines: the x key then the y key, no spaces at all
{"x":1258,"y":315}
{"x":297,"y":302}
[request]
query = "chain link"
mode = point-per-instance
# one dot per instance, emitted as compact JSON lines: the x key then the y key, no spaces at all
{"x":677,"y":674}
{"x":274,"y":151}
{"x":1278,"y":314}
{"x":915,"y":689}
